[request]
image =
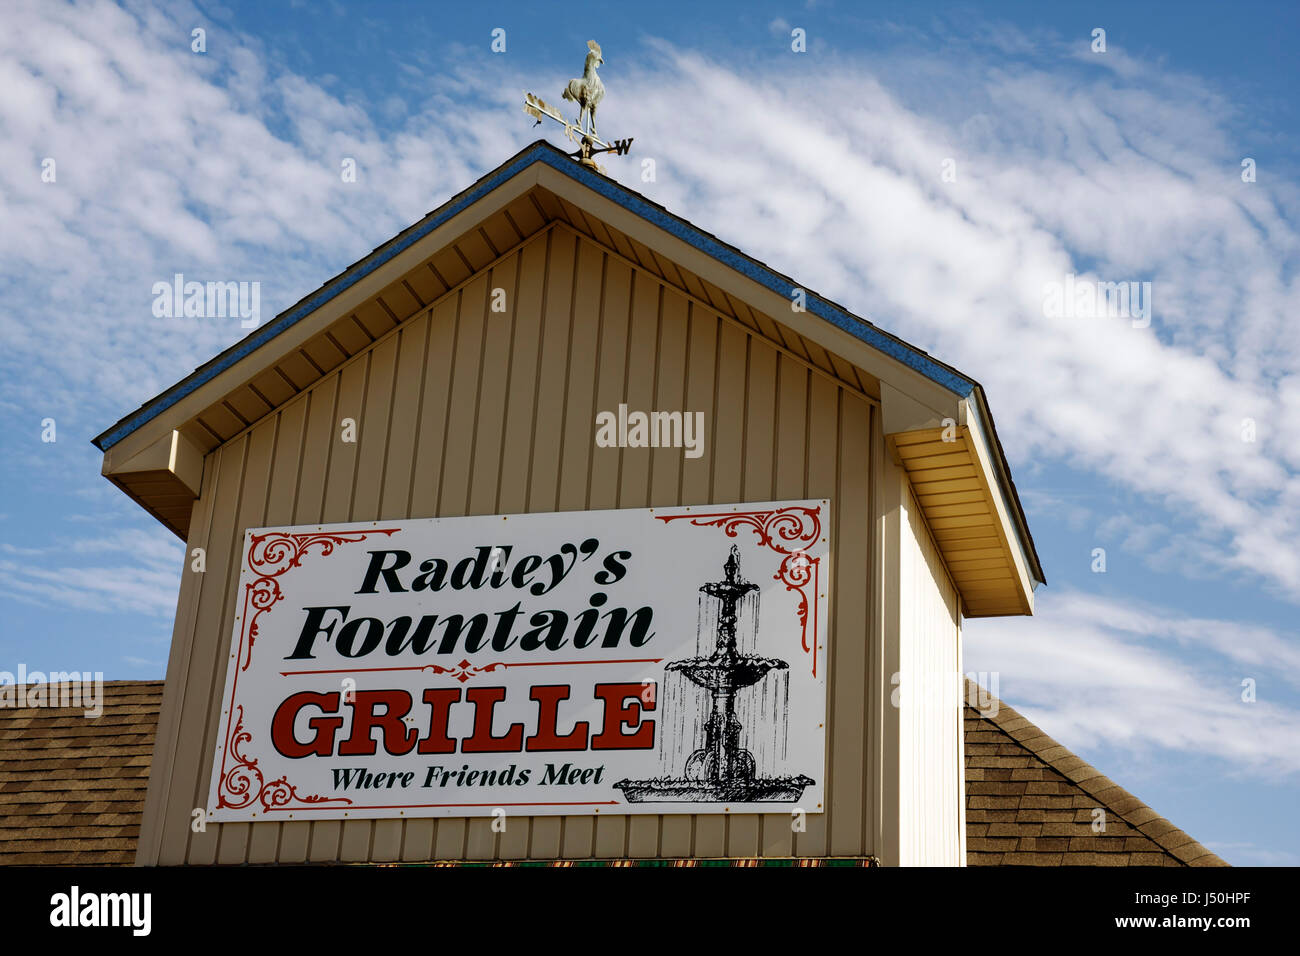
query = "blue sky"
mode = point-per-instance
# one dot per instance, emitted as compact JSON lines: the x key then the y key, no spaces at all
{"x":1115,"y":166}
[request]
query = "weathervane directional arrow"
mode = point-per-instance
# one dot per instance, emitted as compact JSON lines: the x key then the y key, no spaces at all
{"x":587,"y":92}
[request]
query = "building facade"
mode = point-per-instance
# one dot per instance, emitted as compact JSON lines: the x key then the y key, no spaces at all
{"x":461,"y":370}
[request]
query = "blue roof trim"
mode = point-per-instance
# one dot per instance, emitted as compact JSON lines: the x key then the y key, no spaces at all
{"x":313,"y":302}
{"x":765,"y":277}
{"x":542,"y":152}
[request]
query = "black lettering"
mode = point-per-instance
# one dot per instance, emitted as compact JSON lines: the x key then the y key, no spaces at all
{"x":311,"y":628}
{"x":548,"y":629}
{"x":557,"y":568}
{"x":376,"y":570}
{"x":553,"y":776}
{"x":344,"y":778}
{"x":615,"y":569}
{"x":501,"y":639}
{"x":499,"y":575}
{"x":348,"y":635}
{"x":641,"y":633}
{"x":469,"y":571}
{"x":419,"y":640}
{"x":587,"y":620}
{"x":431,"y":575}
{"x":526,"y":566}
{"x":456,"y":626}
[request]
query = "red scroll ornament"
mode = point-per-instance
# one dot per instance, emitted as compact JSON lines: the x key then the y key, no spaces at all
{"x":464,"y":670}
{"x":269,"y":556}
{"x":787,"y":531}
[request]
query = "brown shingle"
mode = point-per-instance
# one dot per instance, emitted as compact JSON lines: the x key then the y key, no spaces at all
{"x":1066,"y":829}
{"x":72,"y":790}
{"x":72,"y":787}
{"x":1093,"y":859}
{"x":984,"y":844}
{"x":1052,"y":823}
{"x":1047,"y":787}
{"x":1035,"y":858}
{"x":1046,"y":844}
{"x":1027,"y":773}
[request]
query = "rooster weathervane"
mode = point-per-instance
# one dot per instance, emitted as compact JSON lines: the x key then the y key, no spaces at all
{"x":587,"y":91}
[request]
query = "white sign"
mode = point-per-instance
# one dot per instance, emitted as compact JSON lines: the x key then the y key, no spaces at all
{"x":641,"y":661}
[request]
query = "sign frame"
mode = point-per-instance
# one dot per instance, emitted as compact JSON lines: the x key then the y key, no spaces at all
{"x":782,"y":549}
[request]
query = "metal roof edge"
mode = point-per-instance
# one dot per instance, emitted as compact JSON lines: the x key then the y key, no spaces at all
{"x":1007,"y":484}
{"x":765,"y":276}
{"x":544,"y":152}
{"x":304,"y":307}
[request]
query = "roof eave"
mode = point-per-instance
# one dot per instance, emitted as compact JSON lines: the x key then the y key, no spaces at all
{"x":772,"y":284}
{"x":539,"y":152}
{"x":305,"y":306}
{"x":1007,"y":485}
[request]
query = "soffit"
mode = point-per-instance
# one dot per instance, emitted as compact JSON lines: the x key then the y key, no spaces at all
{"x":961,"y":509}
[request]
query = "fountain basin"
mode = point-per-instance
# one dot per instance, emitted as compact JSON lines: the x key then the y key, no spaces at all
{"x":676,"y":790}
{"x":721,"y":672}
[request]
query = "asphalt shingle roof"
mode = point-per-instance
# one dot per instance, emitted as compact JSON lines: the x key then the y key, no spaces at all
{"x":72,"y":787}
{"x":72,"y":791}
{"x":1031,"y":802}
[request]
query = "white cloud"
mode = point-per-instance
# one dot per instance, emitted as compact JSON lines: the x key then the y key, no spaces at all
{"x":1064,"y":172}
{"x":143,"y":576}
{"x":167,"y":161}
{"x":1096,"y":672}
{"x":228,"y":168}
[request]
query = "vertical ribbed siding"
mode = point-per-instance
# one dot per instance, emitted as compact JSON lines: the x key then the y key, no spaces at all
{"x":930,"y":726}
{"x":466,"y":411}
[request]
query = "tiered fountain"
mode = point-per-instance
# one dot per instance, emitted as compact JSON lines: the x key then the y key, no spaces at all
{"x":721,"y":771}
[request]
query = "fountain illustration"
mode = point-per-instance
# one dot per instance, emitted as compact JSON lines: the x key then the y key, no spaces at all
{"x":721,"y":770}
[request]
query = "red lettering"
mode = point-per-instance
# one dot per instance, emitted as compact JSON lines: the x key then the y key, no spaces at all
{"x":624,"y":726}
{"x":439,"y":700}
{"x":481,"y":741}
{"x":619,"y":714}
{"x":398,"y":738}
{"x":548,"y":696}
{"x":322,"y":743}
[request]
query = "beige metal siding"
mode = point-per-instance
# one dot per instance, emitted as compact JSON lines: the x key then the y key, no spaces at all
{"x":931,"y":775}
{"x":392,"y":305}
{"x":461,"y":411}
